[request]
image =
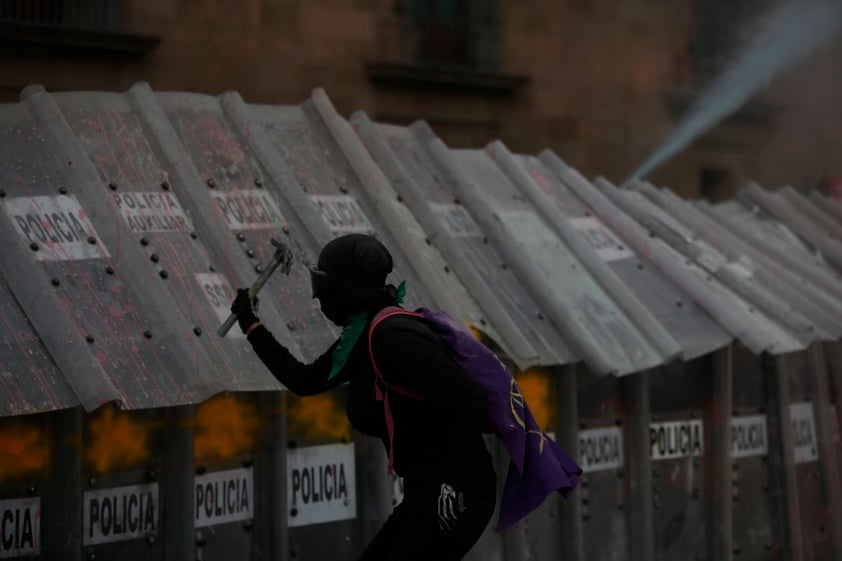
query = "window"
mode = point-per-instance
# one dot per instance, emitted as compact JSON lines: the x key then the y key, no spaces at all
{"x":452,"y":33}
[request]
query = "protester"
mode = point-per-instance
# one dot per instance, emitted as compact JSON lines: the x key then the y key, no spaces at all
{"x":438,"y":424}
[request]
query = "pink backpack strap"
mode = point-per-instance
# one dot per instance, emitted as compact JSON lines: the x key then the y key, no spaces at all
{"x":380,"y":385}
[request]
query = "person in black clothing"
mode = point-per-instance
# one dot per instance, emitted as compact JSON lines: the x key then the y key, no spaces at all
{"x":439,"y":450}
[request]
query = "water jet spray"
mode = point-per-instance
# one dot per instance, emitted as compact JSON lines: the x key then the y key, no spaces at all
{"x":782,"y":38}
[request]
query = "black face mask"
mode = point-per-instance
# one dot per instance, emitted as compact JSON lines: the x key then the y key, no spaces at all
{"x":333,"y":300}
{"x":336,"y":307}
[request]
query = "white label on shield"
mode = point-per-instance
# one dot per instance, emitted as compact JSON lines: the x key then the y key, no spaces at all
{"x":804,"y":444}
{"x":248,"y":209}
{"x":456,"y":220}
{"x":220,"y":295}
{"x":749,"y":436}
{"x":677,"y":439}
{"x":604,"y":243}
{"x":20,"y":527}
{"x":321,"y":484}
{"x":58,"y":226}
{"x":224,"y":496}
{"x":152,"y":212}
{"x":120,"y":513}
{"x":601,"y":449}
{"x":343,"y":214}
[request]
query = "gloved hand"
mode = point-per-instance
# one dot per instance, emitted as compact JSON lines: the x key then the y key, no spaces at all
{"x":450,"y":508}
{"x":243,"y":307}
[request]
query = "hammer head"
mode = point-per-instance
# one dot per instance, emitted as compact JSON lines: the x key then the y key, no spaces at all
{"x":283,"y":255}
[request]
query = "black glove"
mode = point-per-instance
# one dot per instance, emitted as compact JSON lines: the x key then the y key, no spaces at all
{"x":242,"y":306}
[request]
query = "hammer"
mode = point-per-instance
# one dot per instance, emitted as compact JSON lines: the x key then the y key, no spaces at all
{"x":282,"y":258}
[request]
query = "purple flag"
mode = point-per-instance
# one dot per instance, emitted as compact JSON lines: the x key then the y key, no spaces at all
{"x":538,"y":466}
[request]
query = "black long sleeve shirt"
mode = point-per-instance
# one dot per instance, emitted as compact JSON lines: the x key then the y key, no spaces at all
{"x":439,"y":436}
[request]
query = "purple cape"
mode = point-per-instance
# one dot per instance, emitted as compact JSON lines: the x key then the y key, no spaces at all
{"x":538,"y":466}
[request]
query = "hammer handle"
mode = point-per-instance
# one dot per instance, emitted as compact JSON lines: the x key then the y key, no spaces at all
{"x":253,"y":290}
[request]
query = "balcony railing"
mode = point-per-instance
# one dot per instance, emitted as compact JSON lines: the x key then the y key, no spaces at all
{"x":81,"y":15}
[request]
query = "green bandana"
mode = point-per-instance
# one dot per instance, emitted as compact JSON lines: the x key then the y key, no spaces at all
{"x":351,"y":334}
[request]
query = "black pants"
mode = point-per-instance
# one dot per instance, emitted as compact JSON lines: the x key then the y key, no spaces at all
{"x":414,"y":531}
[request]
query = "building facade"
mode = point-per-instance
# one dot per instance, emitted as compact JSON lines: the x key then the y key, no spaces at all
{"x":600,"y":82}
